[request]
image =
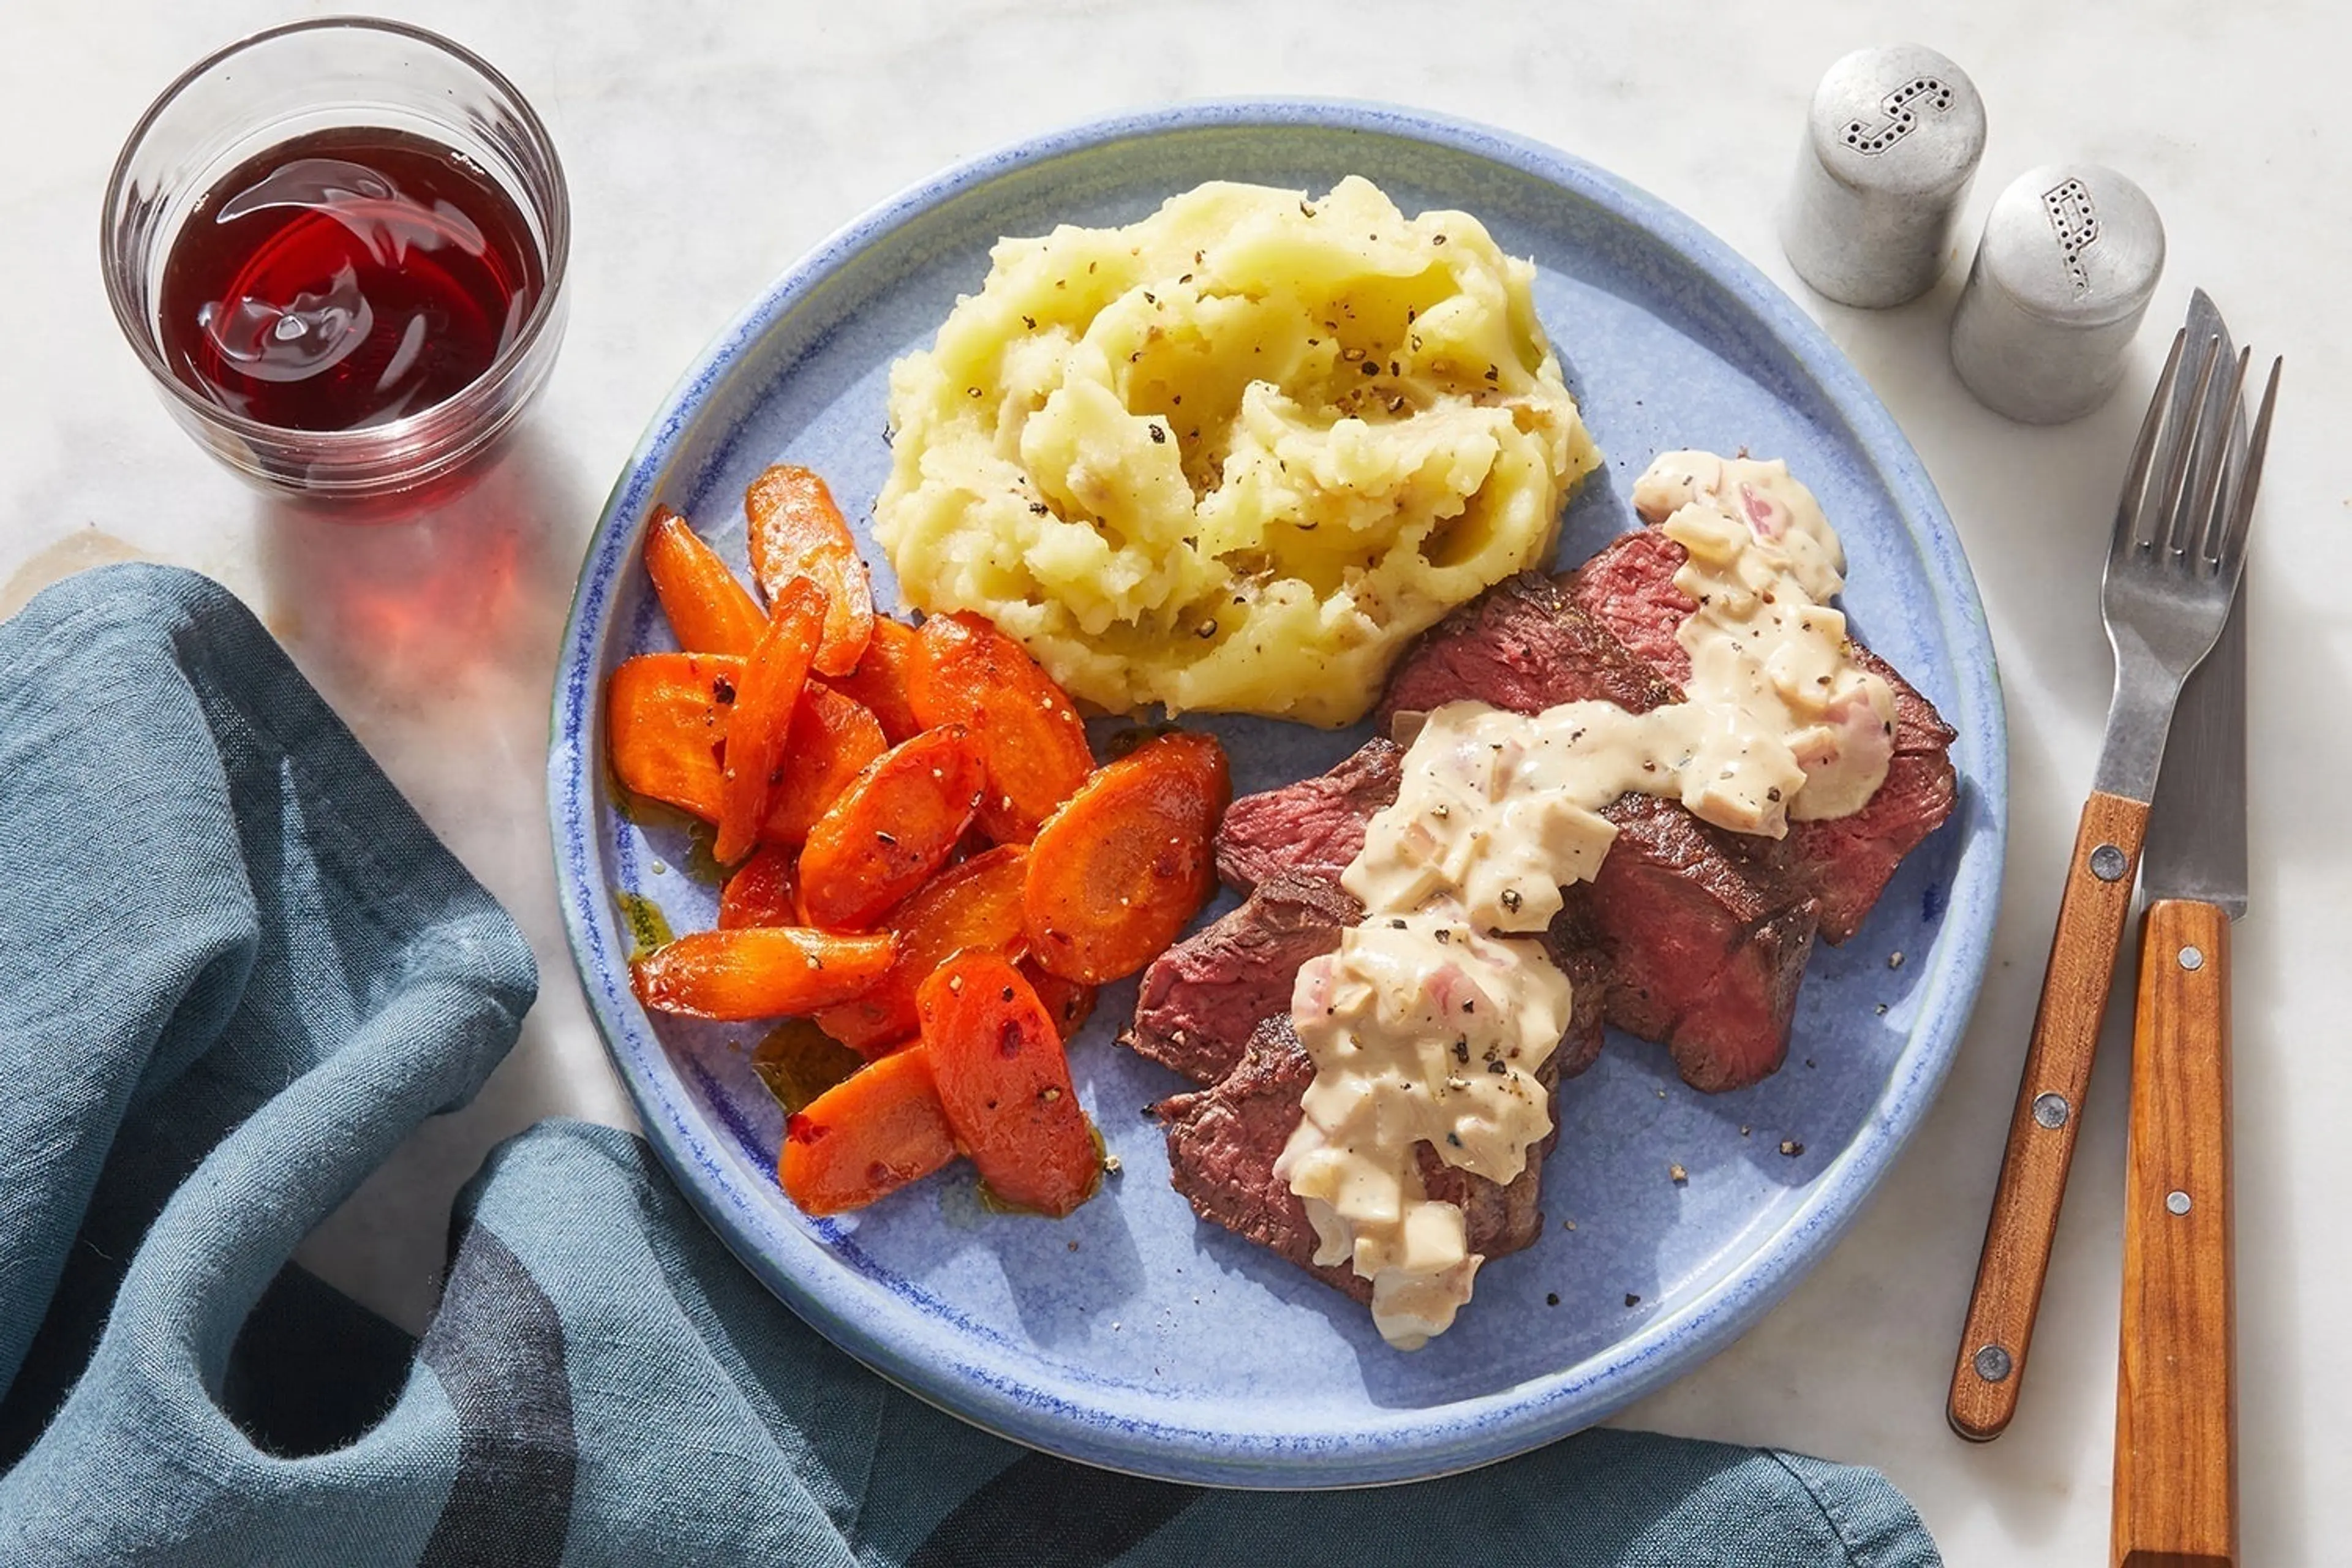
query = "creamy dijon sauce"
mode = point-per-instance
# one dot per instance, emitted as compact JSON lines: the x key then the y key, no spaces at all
{"x":1430,"y":1022}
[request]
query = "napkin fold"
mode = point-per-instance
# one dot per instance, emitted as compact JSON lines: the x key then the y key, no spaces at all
{"x":239,"y":969}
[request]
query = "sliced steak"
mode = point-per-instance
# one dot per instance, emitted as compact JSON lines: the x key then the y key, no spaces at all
{"x":1223,"y":1143}
{"x":1200,"y":1000}
{"x":1850,"y":859}
{"x":1316,"y":826}
{"x":1628,"y":587}
{"x":1690,"y":936}
{"x":1575,"y":949}
{"x":1524,"y":644}
{"x":1697,"y":938}
{"x":1706,"y":946}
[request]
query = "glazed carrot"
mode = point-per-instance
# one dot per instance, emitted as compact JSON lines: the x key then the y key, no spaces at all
{"x":1004,"y":1083}
{"x":664,"y":723}
{"x":891,"y":829}
{"x":973,"y":907}
{"x":966,"y":672}
{"x":707,"y":608}
{"x":1069,"y":1003}
{"x":669,"y":717}
{"x":879,"y":681}
{"x":831,"y":739}
{"x":797,"y":531}
{"x":759,"y":971}
{"x":869,"y":1134}
{"x":1115,"y":873}
{"x":772,"y":678}
{"x":762,"y":893}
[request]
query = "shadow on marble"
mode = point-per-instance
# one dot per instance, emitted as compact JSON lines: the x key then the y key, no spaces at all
{"x":406,"y":612}
{"x":434,"y":637}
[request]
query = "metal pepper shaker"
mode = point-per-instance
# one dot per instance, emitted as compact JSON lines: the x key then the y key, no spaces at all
{"x":1890,"y":147}
{"x":2070,"y":255}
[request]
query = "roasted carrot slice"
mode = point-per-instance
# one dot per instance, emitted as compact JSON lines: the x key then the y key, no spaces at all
{"x":762,"y":893}
{"x":966,"y":672}
{"x":707,"y":608}
{"x":665,"y":723}
{"x":1069,"y":1003}
{"x":1115,"y":873}
{"x":879,"y":681}
{"x":797,"y":531}
{"x":974,"y":907}
{"x":670,"y":715}
{"x":831,"y":739}
{"x":772,"y":679}
{"x":759,"y":971}
{"x":1005,"y":1084}
{"x":871,"y":1134}
{"x":891,"y":829}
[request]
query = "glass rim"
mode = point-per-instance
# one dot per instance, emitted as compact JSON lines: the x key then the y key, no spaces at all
{"x":357,"y":440}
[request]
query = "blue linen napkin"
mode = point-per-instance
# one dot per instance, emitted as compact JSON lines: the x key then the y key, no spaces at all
{"x":239,"y":969}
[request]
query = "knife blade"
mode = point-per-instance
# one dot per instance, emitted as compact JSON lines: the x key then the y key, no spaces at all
{"x":2196,"y":844}
{"x":2175,"y":1496}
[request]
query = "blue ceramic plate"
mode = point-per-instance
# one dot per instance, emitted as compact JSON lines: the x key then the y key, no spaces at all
{"x":1130,"y":1335}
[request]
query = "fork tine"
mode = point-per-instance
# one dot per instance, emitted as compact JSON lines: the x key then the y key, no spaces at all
{"x":2241,"y":512}
{"x":2171,"y":531}
{"x":2134,"y":501}
{"x":2218,"y":470}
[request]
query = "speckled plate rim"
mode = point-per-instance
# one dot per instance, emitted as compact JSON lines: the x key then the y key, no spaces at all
{"x":1416,"y":1444}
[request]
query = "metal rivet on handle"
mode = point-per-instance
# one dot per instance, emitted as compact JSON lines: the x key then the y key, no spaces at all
{"x":1993,"y":1364}
{"x":2176,"y":1201}
{"x":2107,"y":863}
{"x":2190,"y":958}
{"x":2050,"y":1110}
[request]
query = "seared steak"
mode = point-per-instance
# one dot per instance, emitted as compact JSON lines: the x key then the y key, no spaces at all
{"x":1200,"y":1000}
{"x":1703,"y":937}
{"x":1576,"y":952}
{"x":1203,"y":998}
{"x":1222,"y":1143}
{"x":1690,"y":936}
{"x":1849,"y":859}
{"x":1524,"y":646}
{"x":1628,"y":587}
{"x":1706,"y":946}
{"x":1315,"y":825}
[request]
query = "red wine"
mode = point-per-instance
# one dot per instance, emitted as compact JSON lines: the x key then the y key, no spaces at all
{"x":345,"y":279}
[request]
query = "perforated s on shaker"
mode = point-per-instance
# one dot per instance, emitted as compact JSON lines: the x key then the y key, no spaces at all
{"x":1890,"y":147}
{"x":2070,"y":255}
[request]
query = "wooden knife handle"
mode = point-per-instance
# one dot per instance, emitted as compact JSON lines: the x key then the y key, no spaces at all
{"x":2000,"y":1329}
{"x":2176,"y":1389}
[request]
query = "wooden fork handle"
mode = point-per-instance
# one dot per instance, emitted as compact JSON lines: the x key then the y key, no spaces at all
{"x":2176,"y":1501}
{"x":2000,"y":1329}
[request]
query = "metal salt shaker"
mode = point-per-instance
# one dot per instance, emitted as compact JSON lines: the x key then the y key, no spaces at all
{"x":1890,"y":147}
{"x":2070,"y":255}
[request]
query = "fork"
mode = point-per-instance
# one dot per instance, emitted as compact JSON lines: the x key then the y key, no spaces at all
{"x":2172,"y":569}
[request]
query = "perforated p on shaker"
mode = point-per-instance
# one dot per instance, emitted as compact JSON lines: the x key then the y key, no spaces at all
{"x":1890,"y":147}
{"x":2070,"y":255}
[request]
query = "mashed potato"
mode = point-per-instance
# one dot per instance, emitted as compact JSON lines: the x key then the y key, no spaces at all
{"x":1233,"y":455}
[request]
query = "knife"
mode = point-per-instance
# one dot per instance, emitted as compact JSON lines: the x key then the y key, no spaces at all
{"x":2175,"y":1399}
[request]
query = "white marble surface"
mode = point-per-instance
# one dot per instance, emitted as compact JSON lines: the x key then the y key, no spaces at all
{"x":708,"y":143}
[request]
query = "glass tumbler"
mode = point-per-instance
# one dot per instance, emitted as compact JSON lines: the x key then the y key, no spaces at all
{"x":324,"y":75}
